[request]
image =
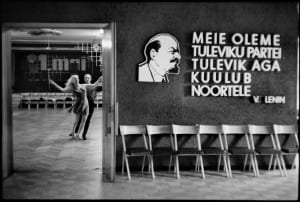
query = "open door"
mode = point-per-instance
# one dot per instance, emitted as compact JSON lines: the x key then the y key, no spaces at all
{"x":110,"y":112}
{"x":109,"y":93}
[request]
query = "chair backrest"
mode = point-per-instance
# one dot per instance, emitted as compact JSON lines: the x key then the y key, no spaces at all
{"x":185,"y":130}
{"x":231,"y":129}
{"x":234,"y":129}
{"x":51,"y":95}
{"x":35,"y":95}
{"x":25,"y":95}
{"x":261,"y":130}
{"x":285,"y":129}
{"x":159,"y":130}
{"x":132,"y":129}
{"x":127,"y":130}
{"x":211,"y":130}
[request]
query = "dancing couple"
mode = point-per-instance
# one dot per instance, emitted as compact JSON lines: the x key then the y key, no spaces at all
{"x":83,"y":107}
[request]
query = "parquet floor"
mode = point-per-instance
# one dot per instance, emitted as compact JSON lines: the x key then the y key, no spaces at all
{"x":50,"y":165}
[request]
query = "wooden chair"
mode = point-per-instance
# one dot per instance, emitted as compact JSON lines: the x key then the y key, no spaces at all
{"x":60,"y":100}
{"x":50,"y":100}
{"x":130,"y":150}
{"x":42,"y":100}
{"x":240,"y":131}
{"x":264,"y":133}
{"x":182,"y":148}
{"x":35,"y":100}
{"x":213,"y":131}
{"x":99,"y":99}
{"x":25,"y":100}
{"x":287,"y":130}
{"x":157,"y":147}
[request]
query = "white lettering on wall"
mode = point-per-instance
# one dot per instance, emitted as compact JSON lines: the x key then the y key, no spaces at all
{"x":223,"y":63}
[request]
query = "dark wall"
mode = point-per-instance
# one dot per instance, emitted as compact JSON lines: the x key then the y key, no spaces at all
{"x":146,"y":103}
{"x":169,"y":103}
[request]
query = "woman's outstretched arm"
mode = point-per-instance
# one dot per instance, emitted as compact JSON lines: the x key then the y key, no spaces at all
{"x":66,"y":89}
{"x":99,"y":81}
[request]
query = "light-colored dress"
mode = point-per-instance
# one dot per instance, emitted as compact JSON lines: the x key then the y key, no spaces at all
{"x":81,"y":105}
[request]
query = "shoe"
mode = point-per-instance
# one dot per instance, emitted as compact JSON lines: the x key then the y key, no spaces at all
{"x":84,"y":138}
{"x":70,"y":134}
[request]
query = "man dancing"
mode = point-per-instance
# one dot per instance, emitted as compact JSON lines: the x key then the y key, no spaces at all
{"x":91,"y":91}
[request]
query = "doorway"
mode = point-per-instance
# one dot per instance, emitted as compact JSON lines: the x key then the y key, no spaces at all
{"x":60,"y":39}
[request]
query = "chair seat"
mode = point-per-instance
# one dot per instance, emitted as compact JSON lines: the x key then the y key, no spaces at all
{"x":240,"y":150}
{"x":68,"y":99}
{"x":137,"y":150}
{"x":50,"y":100}
{"x":189,"y":151}
{"x":212,"y":150}
{"x":266,"y":150}
{"x":162,"y":151}
{"x":290,"y":149}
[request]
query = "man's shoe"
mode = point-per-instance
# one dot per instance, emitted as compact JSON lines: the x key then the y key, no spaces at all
{"x":84,"y":138}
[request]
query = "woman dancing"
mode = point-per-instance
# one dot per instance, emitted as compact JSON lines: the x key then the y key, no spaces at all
{"x":81,"y":106}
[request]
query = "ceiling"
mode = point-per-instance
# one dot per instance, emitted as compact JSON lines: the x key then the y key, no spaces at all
{"x":60,"y":35}
{"x":54,"y":39}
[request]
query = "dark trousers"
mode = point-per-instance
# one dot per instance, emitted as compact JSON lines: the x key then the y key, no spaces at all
{"x":88,"y":119}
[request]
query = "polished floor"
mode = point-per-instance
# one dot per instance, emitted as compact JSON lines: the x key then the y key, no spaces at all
{"x":51,"y":165}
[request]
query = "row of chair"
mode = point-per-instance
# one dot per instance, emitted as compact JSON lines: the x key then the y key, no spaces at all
{"x":185,"y":140}
{"x":50,"y":99}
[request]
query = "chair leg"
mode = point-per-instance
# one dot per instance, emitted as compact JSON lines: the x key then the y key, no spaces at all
{"x":170,"y":162}
{"x":225,"y":165}
{"x":127,"y":167}
{"x":229,"y":166}
{"x":143,"y":165}
{"x":199,"y":164}
{"x":253,"y":165}
{"x":250,"y":165}
{"x":174,"y":165}
{"x":149,"y":165}
{"x":177,"y":166}
{"x":270,"y":163}
{"x":256,"y":165}
{"x":123,"y":159}
{"x":152,"y":166}
{"x":196,"y":164}
{"x":245,"y":162}
{"x":283,"y":164}
{"x":278,"y":161}
{"x":219,"y":163}
{"x":202,"y":167}
{"x":275,"y":163}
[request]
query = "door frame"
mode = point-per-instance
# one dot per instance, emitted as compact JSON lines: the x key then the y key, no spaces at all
{"x":110,"y":119}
